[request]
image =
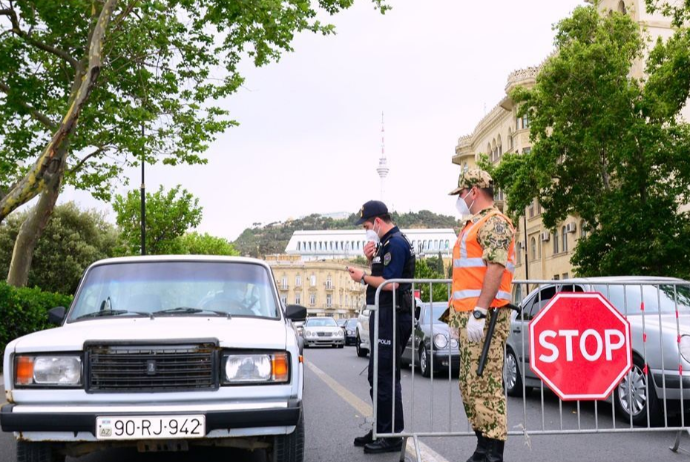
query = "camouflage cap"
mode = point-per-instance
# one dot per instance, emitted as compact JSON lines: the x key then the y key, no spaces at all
{"x":473,"y":177}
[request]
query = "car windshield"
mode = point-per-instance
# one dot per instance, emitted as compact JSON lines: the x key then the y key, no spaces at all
{"x":321,"y":322}
{"x":352,"y":323}
{"x":628,"y":299}
{"x":180,"y":288}
{"x":435,"y":313}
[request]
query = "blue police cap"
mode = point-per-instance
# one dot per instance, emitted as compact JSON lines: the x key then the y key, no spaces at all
{"x":370,"y":210}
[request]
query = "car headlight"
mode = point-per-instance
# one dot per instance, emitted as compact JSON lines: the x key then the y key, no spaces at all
{"x":685,"y":347}
{"x":47,"y":370}
{"x":307,"y":333}
{"x":256,"y":368}
{"x":339,"y":333}
{"x":454,"y":343}
{"x":350,"y":332}
{"x":440,"y":341}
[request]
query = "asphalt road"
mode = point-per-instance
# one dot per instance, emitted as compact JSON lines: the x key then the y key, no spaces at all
{"x":337,"y":401}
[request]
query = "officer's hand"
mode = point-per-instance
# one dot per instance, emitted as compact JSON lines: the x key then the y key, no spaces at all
{"x":355,"y":274}
{"x":475,"y":327}
{"x":369,"y":250}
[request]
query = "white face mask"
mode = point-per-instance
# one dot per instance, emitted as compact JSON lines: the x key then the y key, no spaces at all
{"x":372,"y":236}
{"x":462,"y":207}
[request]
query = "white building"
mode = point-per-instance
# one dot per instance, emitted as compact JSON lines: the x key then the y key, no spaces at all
{"x":345,"y":244}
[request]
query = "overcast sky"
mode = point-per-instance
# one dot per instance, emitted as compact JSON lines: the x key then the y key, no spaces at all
{"x":309,"y":134}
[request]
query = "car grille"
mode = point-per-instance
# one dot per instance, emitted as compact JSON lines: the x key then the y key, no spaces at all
{"x":144,"y":368}
{"x":323,"y":334}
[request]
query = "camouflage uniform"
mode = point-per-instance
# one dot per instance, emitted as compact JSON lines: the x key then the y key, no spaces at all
{"x":483,"y":397}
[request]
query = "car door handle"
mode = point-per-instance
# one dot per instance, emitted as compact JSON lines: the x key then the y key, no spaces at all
{"x":517,"y":331}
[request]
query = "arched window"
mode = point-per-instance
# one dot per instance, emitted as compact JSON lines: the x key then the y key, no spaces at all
{"x":499,"y":147}
{"x":488,"y":150}
{"x":510,"y":139}
{"x":564,"y":233}
{"x":533,"y":248}
{"x":555,"y":243}
{"x":622,"y":8}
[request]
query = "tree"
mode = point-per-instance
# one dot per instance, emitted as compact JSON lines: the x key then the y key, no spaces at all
{"x":72,"y":240}
{"x":424,"y":269}
{"x":168,"y":217}
{"x":204,"y":244}
{"x":88,"y":87}
{"x":678,"y":10}
{"x":609,"y":147}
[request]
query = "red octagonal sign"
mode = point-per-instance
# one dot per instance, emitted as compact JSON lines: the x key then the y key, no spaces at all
{"x":580,"y":346}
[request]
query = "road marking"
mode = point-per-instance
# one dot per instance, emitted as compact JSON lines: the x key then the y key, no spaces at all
{"x":428,"y":454}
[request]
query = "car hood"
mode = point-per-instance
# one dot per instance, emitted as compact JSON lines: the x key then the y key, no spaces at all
{"x":323,"y":329}
{"x":669,"y":324}
{"x":231,"y":333}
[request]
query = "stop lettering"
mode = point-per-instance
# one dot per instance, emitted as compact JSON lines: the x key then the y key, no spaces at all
{"x":580,"y":346}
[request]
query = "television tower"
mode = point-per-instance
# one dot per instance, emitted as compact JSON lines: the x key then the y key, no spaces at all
{"x":383,"y":164}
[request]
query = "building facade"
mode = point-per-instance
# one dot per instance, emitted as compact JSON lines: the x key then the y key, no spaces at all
{"x":348,"y":244}
{"x":323,"y":287}
{"x":542,"y":253}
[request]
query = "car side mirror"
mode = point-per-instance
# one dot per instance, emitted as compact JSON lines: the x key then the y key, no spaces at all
{"x":57,"y":315}
{"x":296,"y":312}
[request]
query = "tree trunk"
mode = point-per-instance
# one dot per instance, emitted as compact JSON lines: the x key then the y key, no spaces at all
{"x":30,"y":232}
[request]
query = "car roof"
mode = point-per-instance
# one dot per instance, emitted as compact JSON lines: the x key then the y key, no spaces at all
{"x":179,"y":258}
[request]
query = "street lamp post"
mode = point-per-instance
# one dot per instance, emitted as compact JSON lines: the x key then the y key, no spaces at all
{"x":143,"y":197}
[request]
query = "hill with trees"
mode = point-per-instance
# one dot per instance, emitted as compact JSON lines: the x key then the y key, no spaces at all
{"x":272,"y":238}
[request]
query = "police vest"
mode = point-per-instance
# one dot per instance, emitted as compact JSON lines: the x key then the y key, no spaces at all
{"x":377,"y":266}
{"x":469,"y":268}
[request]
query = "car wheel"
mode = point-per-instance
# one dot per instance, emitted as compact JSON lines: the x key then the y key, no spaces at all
{"x":361,"y":352}
{"x":424,"y":365}
{"x":38,"y":452}
{"x":636,"y":396}
{"x":289,"y":448}
{"x":512,"y":378}
{"x":341,"y":345}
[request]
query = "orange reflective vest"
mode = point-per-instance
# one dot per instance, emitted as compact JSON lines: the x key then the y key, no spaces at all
{"x":469,"y":268}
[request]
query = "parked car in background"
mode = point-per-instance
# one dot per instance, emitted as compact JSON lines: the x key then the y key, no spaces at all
{"x":666,"y":349}
{"x":341,"y":322}
{"x":431,"y":342}
{"x":362,"y":332}
{"x":160,"y":353}
{"x":351,"y":331}
{"x":323,"y":331}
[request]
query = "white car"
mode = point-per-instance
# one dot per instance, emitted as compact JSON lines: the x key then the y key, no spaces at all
{"x":161,"y":353}
{"x":323,"y":331}
{"x":362,"y":337}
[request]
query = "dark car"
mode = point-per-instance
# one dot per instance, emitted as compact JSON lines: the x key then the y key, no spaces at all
{"x":432,"y":340}
{"x":351,"y":332}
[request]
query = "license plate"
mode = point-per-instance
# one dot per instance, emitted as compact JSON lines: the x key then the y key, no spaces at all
{"x":150,"y":427}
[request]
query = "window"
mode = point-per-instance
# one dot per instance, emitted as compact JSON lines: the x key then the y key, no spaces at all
{"x":622,"y":8}
{"x":532,"y":306}
{"x":556,"y":277}
{"x":312,"y":299}
{"x":312,"y":280}
{"x":284,"y":283}
{"x":298,"y":280}
{"x":531,"y":209}
{"x":329,"y":300}
{"x":564,"y":276}
{"x":465,"y":167}
{"x":555,"y":243}
{"x":299,"y":246}
{"x":564,"y":233}
{"x":526,"y":150}
{"x":533,"y":247}
{"x":525,"y":121}
{"x":518,"y":256}
{"x":298,"y":298}
{"x":510,"y":139}
{"x":329,"y":282}
{"x":583,"y":229}
{"x":283,"y":299}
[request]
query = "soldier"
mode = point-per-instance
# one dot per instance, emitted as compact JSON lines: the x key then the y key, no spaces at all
{"x":391,"y":257}
{"x":483,"y":267}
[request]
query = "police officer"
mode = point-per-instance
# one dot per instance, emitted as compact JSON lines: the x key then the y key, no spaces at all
{"x":483,"y":267}
{"x":391,"y":257}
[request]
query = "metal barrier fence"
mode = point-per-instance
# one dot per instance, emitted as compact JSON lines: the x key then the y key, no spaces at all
{"x":652,"y":397}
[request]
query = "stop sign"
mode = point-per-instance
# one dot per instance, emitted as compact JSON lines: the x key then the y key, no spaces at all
{"x":580,"y":346}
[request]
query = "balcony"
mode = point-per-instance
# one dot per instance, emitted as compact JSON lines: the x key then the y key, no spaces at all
{"x":329,"y":287}
{"x":284,"y":287}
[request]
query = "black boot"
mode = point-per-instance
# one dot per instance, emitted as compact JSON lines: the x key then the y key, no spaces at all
{"x":361,"y":441}
{"x":494,"y":451}
{"x":382,"y":445}
{"x":479,"y":453}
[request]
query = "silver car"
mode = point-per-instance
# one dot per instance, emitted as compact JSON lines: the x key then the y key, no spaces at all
{"x":323,"y":332}
{"x":665,"y":351}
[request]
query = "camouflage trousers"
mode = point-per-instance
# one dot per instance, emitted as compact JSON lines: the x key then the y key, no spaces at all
{"x":483,"y":397}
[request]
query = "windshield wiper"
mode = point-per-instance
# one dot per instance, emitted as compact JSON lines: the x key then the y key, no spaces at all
{"x":191,"y":310}
{"x":97,"y":314}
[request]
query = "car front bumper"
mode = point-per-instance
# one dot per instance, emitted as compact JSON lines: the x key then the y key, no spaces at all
{"x":78,"y":423}
{"x":320,"y":341}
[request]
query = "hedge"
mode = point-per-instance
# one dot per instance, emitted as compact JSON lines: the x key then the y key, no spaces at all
{"x":24,"y":310}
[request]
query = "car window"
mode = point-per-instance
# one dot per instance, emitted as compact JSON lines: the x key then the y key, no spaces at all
{"x":432,"y":314}
{"x":321,"y":322}
{"x":352,"y":323}
{"x":238,"y":289}
{"x":540,"y":301}
{"x":628,"y":299}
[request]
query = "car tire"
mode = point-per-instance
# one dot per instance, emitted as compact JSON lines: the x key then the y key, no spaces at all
{"x":513,"y":378}
{"x":341,"y":345}
{"x":361,"y":352}
{"x":38,"y":452}
{"x":290,"y":448}
{"x":424,"y":365}
{"x":643,"y":394}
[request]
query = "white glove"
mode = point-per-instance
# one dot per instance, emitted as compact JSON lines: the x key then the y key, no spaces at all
{"x":475,"y":327}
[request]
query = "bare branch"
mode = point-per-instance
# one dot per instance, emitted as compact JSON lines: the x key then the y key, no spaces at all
{"x":96,"y":152}
{"x":35,"y":113}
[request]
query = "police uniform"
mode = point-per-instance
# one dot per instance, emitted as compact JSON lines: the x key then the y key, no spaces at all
{"x":394,"y":259}
{"x":488,"y":237}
